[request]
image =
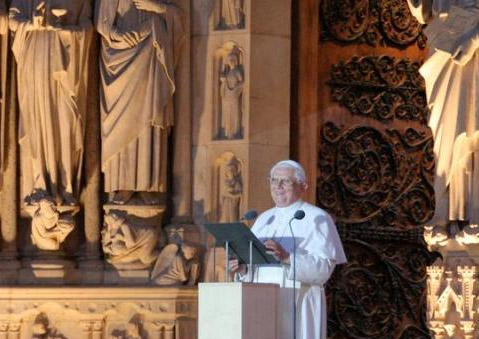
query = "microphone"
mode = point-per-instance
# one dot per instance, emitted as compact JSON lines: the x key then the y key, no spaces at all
{"x":298,"y":215}
{"x":250,"y":215}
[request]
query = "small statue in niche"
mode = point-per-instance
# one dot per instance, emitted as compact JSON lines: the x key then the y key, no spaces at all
{"x":49,"y":228}
{"x":232,"y":14}
{"x":231,"y":190}
{"x":41,"y":329}
{"x":125,"y":243}
{"x":231,"y":94}
{"x":177,"y":264}
{"x":51,"y":42}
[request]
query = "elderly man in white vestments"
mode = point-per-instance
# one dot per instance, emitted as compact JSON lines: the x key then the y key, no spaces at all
{"x":318,"y":251}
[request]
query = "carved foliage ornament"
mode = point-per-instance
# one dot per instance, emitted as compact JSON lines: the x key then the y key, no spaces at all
{"x":381,"y":288}
{"x":375,"y":22}
{"x":382,"y":88}
{"x":368,"y":177}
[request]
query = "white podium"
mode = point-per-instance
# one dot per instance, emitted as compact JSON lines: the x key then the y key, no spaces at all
{"x":238,"y":311}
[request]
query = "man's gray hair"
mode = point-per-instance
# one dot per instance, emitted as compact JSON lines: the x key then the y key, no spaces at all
{"x":299,"y":173}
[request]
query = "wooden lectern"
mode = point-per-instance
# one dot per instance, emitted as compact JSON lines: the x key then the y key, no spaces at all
{"x":238,"y":311}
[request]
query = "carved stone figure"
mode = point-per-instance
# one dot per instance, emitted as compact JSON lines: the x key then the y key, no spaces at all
{"x":231,"y":93}
{"x":41,"y":329}
{"x":231,"y":190}
{"x":51,"y":47}
{"x":133,"y":330}
{"x":469,"y":235}
{"x":125,"y":243}
{"x":435,"y":236}
{"x":232,"y":14}
{"x":140,"y":47}
{"x":49,"y":229}
{"x":451,"y":74}
{"x":177,"y":264}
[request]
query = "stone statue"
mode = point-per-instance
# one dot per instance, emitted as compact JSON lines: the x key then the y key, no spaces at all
{"x":232,"y":14}
{"x":140,"y":48}
{"x":231,"y":190}
{"x":51,"y":46}
{"x":124,"y":243}
{"x":177,"y":264}
{"x":41,"y":328}
{"x":49,"y":229}
{"x":451,"y":73}
{"x":231,"y":93}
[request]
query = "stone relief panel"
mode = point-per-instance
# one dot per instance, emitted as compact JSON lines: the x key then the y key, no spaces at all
{"x":230,"y":14}
{"x":374,"y":22}
{"x":359,"y":84}
{"x":382,"y":286}
{"x":51,"y":94}
{"x":140,"y":49}
{"x":101,"y":313}
{"x":228,"y":92}
{"x":377,"y":178}
{"x":375,"y":175}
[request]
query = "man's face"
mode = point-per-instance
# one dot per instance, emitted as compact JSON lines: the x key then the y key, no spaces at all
{"x":285,"y":190}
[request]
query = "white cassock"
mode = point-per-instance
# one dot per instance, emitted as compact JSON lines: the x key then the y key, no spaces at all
{"x":318,"y":251}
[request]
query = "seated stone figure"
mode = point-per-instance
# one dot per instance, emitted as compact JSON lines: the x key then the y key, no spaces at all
{"x":125,"y":243}
{"x":177,"y":264}
{"x":49,"y":229}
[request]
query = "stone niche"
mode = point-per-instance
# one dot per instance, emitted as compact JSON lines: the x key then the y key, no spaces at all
{"x":95,"y":313}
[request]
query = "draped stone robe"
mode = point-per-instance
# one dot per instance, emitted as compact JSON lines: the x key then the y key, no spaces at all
{"x":137,"y":87}
{"x":52,"y":78}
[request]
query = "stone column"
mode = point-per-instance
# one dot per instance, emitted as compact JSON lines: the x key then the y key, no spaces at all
{"x":90,"y":264}
{"x":92,"y":329}
{"x":182,"y":166}
{"x":3,"y":330}
{"x":14,"y":331}
{"x":10,"y":190}
{"x":97,"y":330}
{"x":466,"y":277}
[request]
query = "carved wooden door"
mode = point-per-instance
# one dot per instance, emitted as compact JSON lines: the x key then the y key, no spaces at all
{"x":360,"y":128}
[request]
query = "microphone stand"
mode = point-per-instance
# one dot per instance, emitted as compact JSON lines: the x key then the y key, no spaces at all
{"x":294,"y":277}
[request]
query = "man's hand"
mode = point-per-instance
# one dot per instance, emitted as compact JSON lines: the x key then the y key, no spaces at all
{"x":236,"y":267}
{"x":277,"y":251}
{"x":150,"y":6}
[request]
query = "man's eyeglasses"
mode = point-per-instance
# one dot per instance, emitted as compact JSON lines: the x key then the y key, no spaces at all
{"x":285,"y":182}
